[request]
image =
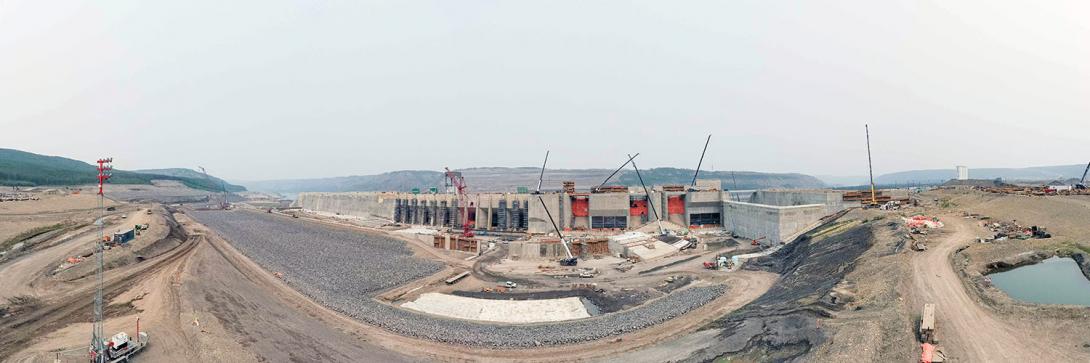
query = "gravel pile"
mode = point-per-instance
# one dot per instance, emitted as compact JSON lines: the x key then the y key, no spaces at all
{"x":345,"y":269}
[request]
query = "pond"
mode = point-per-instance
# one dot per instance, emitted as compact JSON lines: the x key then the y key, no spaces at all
{"x":1052,"y":281}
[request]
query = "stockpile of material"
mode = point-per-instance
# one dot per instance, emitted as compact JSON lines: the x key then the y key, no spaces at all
{"x":345,"y":270}
{"x":319,"y":260}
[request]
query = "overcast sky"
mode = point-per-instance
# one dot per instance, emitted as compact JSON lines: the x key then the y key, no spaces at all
{"x":276,"y":89}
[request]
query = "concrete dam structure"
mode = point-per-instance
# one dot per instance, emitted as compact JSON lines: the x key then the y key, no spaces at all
{"x":772,"y":214}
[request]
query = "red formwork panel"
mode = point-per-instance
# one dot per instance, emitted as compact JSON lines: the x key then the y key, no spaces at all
{"x":580,"y":207}
{"x":637,"y":208}
{"x":675,"y":205}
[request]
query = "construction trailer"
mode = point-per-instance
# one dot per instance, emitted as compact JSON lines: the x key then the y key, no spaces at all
{"x":123,"y":236}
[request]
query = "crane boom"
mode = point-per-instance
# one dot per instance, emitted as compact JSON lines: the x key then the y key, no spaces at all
{"x":870,"y":168}
{"x":571,"y":260}
{"x":701,"y":162}
{"x":1081,"y":185}
{"x":616,"y":171}
{"x":648,"y":194}
{"x":1083,"y":179}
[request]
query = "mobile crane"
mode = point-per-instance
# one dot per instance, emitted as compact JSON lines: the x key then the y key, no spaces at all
{"x":571,"y":260}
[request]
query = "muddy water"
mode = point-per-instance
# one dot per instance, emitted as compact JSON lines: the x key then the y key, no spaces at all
{"x":1052,"y":281}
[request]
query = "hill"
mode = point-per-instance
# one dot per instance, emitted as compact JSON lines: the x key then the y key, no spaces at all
{"x":500,"y":179}
{"x":191,"y":174}
{"x":20,"y":168}
{"x":1035,"y":173}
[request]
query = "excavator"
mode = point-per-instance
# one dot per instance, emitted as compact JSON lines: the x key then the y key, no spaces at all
{"x":756,"y":242}
{"x":1081,"y":185}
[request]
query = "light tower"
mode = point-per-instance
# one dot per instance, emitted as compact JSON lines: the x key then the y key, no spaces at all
{"x":98,"y":340}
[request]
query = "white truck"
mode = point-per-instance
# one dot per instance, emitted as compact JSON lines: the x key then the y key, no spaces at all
{"x":121,"y":347}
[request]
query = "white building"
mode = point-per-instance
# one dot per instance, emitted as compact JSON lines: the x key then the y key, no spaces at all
{"x":963,"y":172}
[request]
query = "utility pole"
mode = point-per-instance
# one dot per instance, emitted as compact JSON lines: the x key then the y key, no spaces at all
{"x":870,"y":167}
{"x":98,"y":342}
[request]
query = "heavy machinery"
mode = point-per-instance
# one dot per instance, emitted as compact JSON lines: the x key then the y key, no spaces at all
{"x":719,"y":263}
{"x":1081,"y":185}
{"x":459,"y":184}
{"x":571,"y":260}
{"x":646,"y":192}
{"x":757,"y":241}
{"x":121,"y":347}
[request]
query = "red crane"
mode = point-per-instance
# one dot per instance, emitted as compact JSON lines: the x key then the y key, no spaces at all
{"x":459,"y":184}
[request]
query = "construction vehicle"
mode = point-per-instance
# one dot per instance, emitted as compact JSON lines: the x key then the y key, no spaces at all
{"x":930,"y":351}
{"x":1081,"y":185}
{"x":719,"y":263}
{"x":571,"y":260}
{"x":458,"y":182}
{"x":757,"y":242}
{"x":121,"y":347}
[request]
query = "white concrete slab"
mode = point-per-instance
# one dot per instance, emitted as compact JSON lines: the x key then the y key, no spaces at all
{"x":503,"y":311}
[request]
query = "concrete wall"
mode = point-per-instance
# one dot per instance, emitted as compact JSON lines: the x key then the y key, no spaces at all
{"x":832,"y":200}
{"x":609,"y":204}
{"x":775,"y":214}
{"x":775,"y":223}
{"x":539,"y":220}
{"x":367,"y":204}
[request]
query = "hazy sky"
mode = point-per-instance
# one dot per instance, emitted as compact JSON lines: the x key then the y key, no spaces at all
{"x":274,"y":89}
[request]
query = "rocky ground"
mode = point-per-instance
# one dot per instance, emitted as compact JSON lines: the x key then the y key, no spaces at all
{"x":344,"y":270}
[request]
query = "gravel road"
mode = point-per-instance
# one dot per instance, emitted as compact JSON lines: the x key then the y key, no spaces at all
{"x":345,"y":269}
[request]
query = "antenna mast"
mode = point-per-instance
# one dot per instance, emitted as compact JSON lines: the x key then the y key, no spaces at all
{"x":98,"y":340}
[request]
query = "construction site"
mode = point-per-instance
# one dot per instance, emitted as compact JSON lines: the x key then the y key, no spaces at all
{"x":605,"y":272}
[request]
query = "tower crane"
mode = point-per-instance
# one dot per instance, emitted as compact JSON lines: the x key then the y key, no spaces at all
{"x":459,"y":183}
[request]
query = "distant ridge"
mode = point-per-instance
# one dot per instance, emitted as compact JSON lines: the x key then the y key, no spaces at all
{"x":21,"y":168}
{"x":506,"y":179}
{"x":1034,"y":173}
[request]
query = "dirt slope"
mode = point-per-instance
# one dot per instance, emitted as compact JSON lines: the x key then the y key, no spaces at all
{"x":968,"y":331}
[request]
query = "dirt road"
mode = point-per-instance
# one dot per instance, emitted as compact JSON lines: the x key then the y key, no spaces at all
{"x":968,"y":331}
